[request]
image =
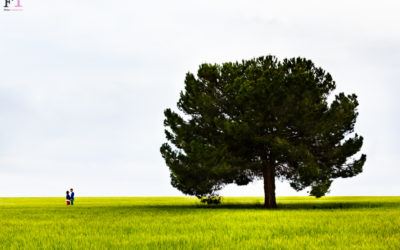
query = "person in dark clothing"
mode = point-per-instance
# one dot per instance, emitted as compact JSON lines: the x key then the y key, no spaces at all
{"x":68,"y":198}
{"x":72,"y":196}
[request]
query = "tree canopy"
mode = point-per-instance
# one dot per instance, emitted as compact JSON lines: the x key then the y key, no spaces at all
{"x":261,"y":119}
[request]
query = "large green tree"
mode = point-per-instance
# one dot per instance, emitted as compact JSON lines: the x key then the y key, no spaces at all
{"x":261,"y":119}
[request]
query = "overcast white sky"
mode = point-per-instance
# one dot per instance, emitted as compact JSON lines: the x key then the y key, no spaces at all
{"x":83,"y":85}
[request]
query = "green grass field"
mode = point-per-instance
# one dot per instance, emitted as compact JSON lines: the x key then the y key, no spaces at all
{"x":184,"y":223}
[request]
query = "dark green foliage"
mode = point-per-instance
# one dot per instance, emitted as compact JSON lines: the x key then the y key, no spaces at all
{"x":240,"y":119}
{"x":211,"y":200}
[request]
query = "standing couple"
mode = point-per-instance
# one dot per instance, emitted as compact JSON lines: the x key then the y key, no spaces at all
{"x":70,"y":197}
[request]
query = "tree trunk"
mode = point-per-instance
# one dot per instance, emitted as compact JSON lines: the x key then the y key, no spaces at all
{"x":269,"y":186}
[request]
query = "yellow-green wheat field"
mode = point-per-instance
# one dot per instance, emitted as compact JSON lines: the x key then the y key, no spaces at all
{"x":185,"y":223}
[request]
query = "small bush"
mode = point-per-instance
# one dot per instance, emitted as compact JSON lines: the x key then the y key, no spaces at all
{"x":211,"y":200}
